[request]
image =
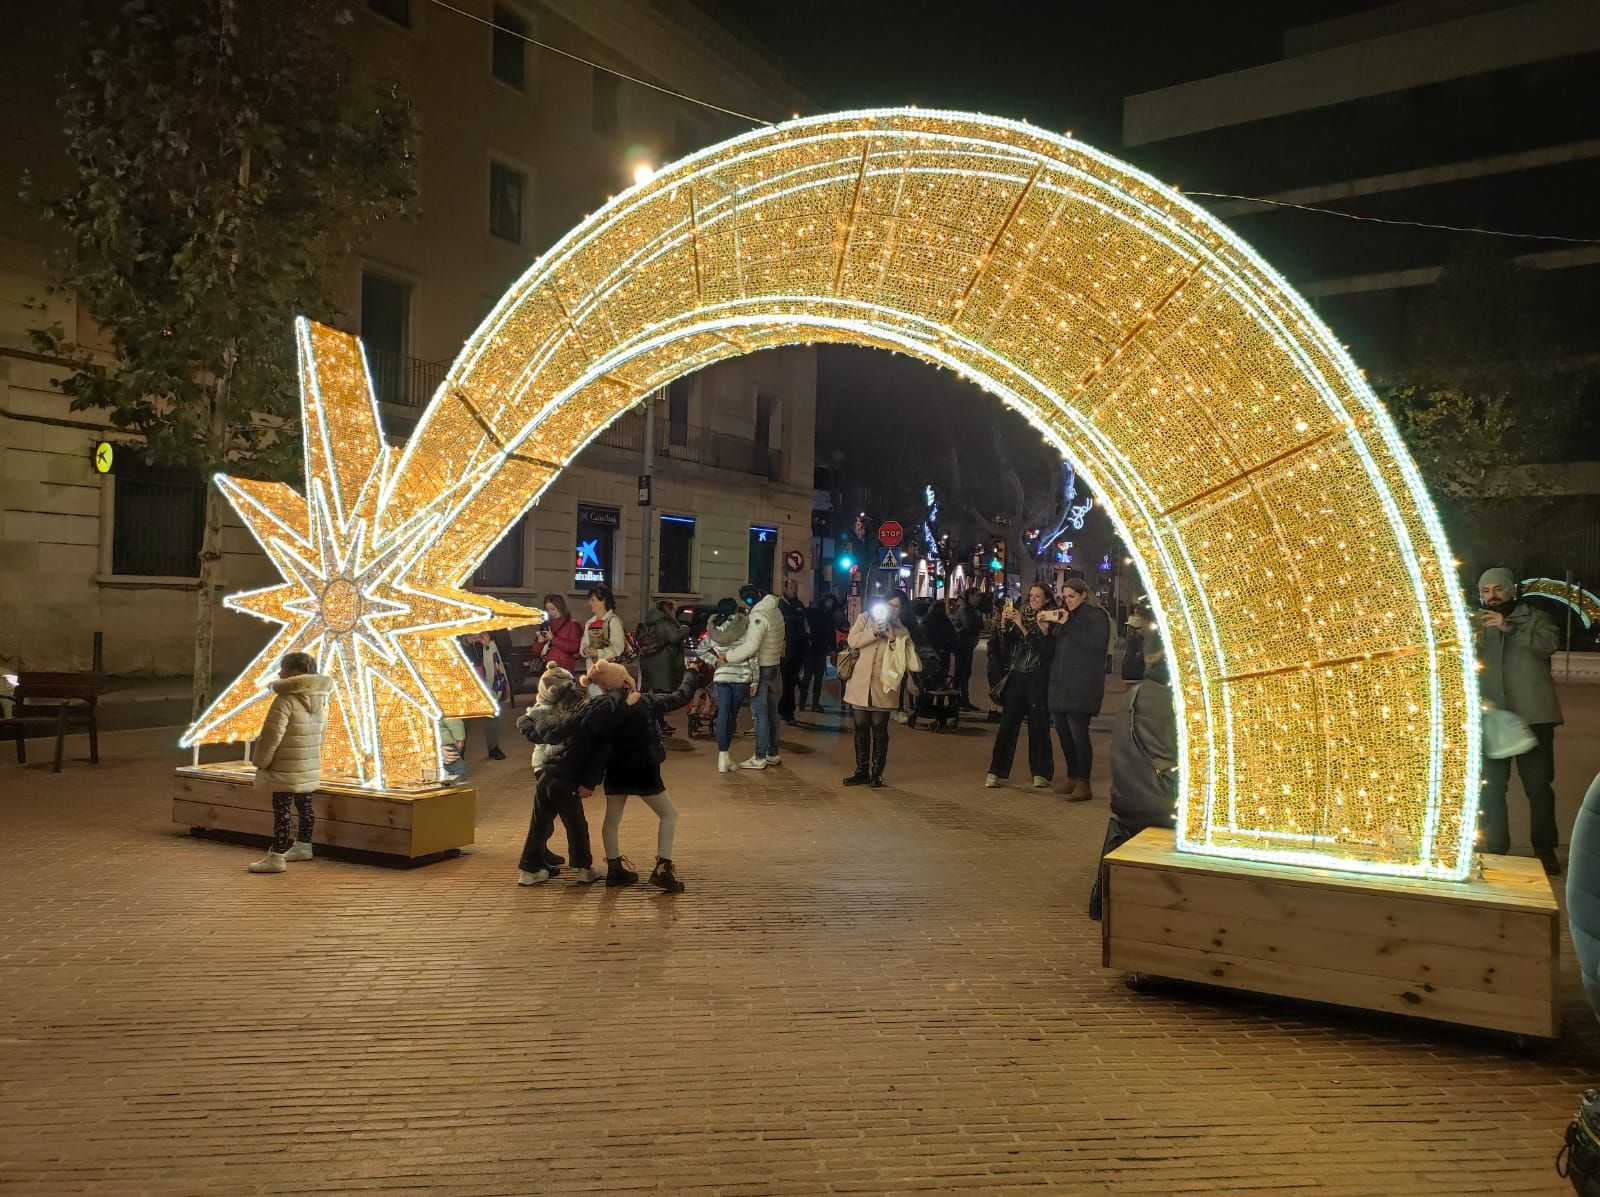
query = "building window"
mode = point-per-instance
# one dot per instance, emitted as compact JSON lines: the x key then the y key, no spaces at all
{"x":675,"y":574}
{"x":510,"y":54}
{"x":385,"y":315}
{"x":398,"y":11}
{"x":678,"y":412}
{"x":502,"y":568}
{"x":506,"y":190}
{"x":763,"y":556}
{"x":158,"y":522}
{"x":607,"y":103}
{"x":595,"y":559}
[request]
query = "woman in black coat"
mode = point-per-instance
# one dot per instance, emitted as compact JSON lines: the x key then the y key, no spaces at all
{"x":1025,"y":635}
{"x":1078,"y":680}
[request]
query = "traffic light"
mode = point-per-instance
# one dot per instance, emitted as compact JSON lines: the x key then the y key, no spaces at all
{"x":997,"y":554}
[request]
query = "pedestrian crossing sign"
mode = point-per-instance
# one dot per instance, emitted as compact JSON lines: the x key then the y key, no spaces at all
{"x":889,"y":559}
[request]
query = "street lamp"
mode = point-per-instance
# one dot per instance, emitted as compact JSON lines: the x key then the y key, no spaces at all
{"x":643,"y":173}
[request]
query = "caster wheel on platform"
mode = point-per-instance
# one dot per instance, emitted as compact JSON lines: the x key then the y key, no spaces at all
{"x":1137,"y":982}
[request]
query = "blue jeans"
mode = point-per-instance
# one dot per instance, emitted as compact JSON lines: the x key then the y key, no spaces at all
{"x":766,"y":710}
{"x":730,"y":697}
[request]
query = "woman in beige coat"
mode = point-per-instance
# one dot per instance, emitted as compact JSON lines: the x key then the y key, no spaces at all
{"x":884,"y":655}
{"x":288,"y":755}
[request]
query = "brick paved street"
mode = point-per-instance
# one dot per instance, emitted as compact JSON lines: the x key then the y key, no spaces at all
{"x":862,"y":992}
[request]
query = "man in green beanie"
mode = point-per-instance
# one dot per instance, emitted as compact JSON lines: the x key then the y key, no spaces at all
{"x":1515,"y":642}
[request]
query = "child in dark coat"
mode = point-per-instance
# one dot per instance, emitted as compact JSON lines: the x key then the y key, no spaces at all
{"x":633,"y":767}
{"x":573,"y":743}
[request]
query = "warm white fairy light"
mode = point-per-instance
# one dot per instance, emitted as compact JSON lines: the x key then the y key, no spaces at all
{"x":1585,"y":604}
{"x":357,"y":591}
{"x":1296,"y":565}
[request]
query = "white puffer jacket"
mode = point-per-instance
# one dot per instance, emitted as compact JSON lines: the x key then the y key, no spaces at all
{"x":722,"y":636}
{"x":764,"y":641}
{"x":288,"y":753}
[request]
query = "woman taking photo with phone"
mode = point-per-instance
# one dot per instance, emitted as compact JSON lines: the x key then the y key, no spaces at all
{"x":883,"y":655}
{"x":1078,"y":680}
{"x":1023,"y":689}
{"x":561,"y":637}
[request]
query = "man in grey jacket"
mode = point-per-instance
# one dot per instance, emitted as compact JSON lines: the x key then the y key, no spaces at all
{"x":1515,"y":642}
{"x":1144,"y":761}
{"x":763,"y":644}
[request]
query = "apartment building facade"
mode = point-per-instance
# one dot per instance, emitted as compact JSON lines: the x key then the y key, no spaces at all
{"x":517,"y":146}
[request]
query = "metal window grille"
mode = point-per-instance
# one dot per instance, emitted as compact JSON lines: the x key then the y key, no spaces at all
{"x":158,"y":526}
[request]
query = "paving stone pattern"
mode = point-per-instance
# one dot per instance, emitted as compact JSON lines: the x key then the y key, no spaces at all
{"x":889,"y":991}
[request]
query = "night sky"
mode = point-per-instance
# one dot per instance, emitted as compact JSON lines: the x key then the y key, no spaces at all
{"x":1063,"y":65}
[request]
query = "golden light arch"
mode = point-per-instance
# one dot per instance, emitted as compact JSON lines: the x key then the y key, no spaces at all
{"x":1327,"y":693}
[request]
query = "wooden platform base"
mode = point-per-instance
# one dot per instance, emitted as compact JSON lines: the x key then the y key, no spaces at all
{"x":408,"y":826}
{"x":1479,"y":953}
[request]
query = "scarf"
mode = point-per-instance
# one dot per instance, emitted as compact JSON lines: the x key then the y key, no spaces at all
{"x":1030,"y":619}
{"x":896,"y":659}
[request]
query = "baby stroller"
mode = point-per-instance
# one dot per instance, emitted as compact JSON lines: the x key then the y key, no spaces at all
{"x":702,"y":709}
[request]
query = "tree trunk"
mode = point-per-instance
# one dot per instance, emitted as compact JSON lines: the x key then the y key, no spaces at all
{"x":216,"y":454}
{"x":210,"y":547}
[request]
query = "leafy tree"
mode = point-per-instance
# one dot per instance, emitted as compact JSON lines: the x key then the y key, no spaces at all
{"x":224,"y":161}
{"x":1482,"y":388}
{"x":1000,"y":479}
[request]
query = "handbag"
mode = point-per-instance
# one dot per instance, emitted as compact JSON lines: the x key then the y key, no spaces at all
{"x":1579,"y":1158}
{"x":1505,"y":734}
{"x":846,"y":663}
{"x":997,"y":692}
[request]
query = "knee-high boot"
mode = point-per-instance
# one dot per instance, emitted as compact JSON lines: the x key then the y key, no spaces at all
{"x":880,"y":751}
{"x":862,"y":775}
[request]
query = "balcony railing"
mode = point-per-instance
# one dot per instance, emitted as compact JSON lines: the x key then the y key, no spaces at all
{"x":404,"y":381}
{"x":702,"y":446}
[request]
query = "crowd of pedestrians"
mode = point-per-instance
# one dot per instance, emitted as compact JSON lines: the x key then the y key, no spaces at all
{"x":598,"y":723}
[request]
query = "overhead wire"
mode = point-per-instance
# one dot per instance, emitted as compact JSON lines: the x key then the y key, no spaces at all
{"x":1223,"y":195}
{"x":1418,"y":224}
{"x":599,"y":66}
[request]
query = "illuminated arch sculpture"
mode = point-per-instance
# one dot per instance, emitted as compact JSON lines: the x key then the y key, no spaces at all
{"x":1327,"y":696}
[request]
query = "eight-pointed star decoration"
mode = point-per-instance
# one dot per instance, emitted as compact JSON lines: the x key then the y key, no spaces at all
{"x":362,"y":589}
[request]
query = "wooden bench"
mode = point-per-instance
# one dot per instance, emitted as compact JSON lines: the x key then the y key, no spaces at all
{"x":58,"y":702}
{"x":410,"y":827}
{"x":1481,"y":952}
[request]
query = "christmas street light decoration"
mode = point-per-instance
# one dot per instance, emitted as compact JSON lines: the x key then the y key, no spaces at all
{"x":360,"y":590}
{"x":1320,"y":648}
{"x":1584,"y":604}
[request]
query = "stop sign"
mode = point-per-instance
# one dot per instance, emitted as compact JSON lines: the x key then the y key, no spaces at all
{"x":890,"y":534}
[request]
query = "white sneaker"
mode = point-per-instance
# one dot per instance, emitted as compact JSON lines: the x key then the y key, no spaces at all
{"x":299,"y":850}
{"x":990,"y":781}
{"x":725,"y":762}
{"x":526,"y":878}
{"x":1040,"y":783}
{"x":774,"y":759}
{"x":272,"y":862}
{"x":589,"y":876}
{"x":901,"y":717}
{"x":755,"y":762}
